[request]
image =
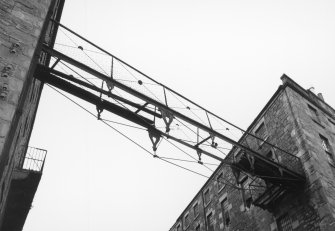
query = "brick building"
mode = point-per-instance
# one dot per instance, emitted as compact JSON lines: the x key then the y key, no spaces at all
{"x":24,"y":27}
{"x":299,"y":122}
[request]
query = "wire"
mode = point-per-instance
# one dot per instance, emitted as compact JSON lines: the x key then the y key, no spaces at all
{"x":78,"y":73}
{"x":74,"y":47}
{"x":137,"y":79}
{"x":191,"y":161}
{"x":139,"y":117}
{"x":140,"y":146}
{"x":127,"y":125}
{"x":125,"y":136}
{"x":186,"y":153}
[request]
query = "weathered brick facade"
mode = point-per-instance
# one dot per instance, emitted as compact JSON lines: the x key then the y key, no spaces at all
{"x":295,"y":120}
{"x":24,"y":26}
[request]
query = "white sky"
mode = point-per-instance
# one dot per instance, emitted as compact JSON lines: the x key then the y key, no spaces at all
{"x":227,"y":56}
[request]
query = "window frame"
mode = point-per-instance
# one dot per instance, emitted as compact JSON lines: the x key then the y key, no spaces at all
{"x":261,"y":140}
{"x":219,"y":182}
{"x":315,"y":115}
{"x":225,"y":211}
{"x":179,"y":227}
{"x":210,"y":214}
{"x":187,"y":220}
{"x":328,"y":150}
{"x":209,"y":196}
{"x":195,"y":215}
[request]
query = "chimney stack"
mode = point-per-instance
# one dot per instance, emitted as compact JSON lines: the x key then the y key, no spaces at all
{"x":321,"y":97}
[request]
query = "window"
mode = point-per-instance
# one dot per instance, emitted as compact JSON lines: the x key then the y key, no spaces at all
{"x":219,"y":180}
{"x":261,"y":133}
{"x":326,"y":147}
{"x":187,"y":220}
{"x":196,"y":210}
{"x":210,"y":222}
{"x":284,"y":223}
{"x":197,"y":228}
{"x":207,"y":197}
{"x":225,"y":213}
{"x":332,"y":123}
{"x":179,"y":228}
{"x":314,"y":114}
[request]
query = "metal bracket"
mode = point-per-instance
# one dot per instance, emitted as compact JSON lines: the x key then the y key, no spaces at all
{"x":199,"y":156}
{"x":167,"y":117}
{"x":110,"y":85}
{"x":155,"y":138}
{"x":99,"y":110}
{"x":214,"y":144}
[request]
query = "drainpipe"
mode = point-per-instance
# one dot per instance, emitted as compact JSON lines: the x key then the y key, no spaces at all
{"x":203,"y":206}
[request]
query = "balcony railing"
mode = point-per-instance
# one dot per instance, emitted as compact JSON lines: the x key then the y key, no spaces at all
{"x":33,"y":160}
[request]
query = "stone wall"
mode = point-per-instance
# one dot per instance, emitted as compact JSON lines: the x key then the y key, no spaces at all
{"x":290,"y":126}
{"x":23,"y":26}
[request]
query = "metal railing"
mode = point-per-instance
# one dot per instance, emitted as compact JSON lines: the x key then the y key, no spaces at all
{"x":92,"y":70}
{"x":33,"y":160}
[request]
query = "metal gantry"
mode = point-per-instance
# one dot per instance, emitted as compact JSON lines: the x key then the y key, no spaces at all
{"x":90,"y":73}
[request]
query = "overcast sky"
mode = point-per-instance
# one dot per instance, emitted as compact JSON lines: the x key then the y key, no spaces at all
{"x":227,"y":56}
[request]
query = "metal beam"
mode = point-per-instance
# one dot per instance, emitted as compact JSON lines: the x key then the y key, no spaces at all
{"x":46,"y":77}
{"x":164,"y":107}
{"x":97,"y":89}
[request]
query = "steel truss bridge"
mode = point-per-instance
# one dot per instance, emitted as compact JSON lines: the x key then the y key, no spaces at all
{"x":83,"y":69}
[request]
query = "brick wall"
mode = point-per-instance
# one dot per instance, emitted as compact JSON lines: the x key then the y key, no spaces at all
{"x":23,"y":26}
{"x":290,"y":126}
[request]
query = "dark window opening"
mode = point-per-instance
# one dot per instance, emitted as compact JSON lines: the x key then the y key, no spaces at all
{"x":315,"y":114}
{"x":248,"y":202}
{"x":210,"y":222}
{"x":196,"y":210}
{"x":197,"y":228}
{"x":219,"y":180}
{"x":186,"y":220}
{"x":225,"y":212}
{"x":326,"y":147}
{"x":207,"y":197}
{"x":261,"y":133}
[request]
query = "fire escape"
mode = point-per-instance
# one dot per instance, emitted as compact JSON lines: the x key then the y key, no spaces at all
{"x":84,"y":70}
{"x":25,"y":179}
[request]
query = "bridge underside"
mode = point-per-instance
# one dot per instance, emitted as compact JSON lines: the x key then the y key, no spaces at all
{"x":272,"y":181}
